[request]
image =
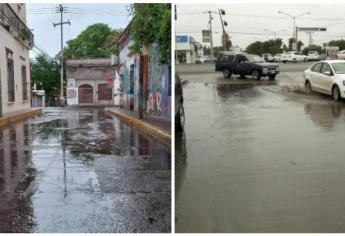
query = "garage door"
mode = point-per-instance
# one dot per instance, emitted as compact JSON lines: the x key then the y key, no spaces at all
{"x":85,"y":94}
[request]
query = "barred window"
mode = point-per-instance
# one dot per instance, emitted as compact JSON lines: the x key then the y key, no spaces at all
{"x":10,"y":80}
{"x":104,"y":92}
{"x":24,"y":84}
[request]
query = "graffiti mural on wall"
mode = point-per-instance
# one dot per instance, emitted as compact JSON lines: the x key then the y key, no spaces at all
{"x":159,"y":86}
{"x":156,"y":83}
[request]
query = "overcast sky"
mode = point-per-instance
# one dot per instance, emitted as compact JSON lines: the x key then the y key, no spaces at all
{"x":40,"y":18}
{"x":247,"y":22}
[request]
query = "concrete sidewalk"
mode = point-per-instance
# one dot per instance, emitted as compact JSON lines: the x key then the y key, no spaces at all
{"x":154,"y":126}
{"x":15,"y":117}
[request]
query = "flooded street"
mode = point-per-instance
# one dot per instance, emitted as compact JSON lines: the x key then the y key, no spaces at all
{"x":81,"y":170}
{"x":254,"y":158}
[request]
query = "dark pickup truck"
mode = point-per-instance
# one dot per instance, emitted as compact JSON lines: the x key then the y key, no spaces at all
{"x":245,"y":64}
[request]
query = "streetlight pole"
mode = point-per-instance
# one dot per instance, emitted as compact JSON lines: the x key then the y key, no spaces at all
{"x":294,"y":26}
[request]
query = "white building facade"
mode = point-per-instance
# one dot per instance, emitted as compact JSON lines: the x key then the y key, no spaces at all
{"x":16,"y":40}
{"x":185,"y":50}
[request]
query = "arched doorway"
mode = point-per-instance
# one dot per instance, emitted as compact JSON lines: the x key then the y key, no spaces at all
{"x":85,"y":94}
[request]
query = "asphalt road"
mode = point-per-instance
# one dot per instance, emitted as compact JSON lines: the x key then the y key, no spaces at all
{"x":82,"y":171}
{"x":209,"y":68}
{"x":259,"y":156}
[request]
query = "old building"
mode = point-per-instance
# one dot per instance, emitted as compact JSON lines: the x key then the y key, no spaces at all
{"x":156,"y":78}
{"x":16,"y":40}
{"x":90,"y":82}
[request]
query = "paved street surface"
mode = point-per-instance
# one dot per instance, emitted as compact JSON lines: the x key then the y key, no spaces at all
{"x":259,"y":157}
{"x":81,"y":170}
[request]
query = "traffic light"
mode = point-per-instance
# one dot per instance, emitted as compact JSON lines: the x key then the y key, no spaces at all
{"x":222,"y":11}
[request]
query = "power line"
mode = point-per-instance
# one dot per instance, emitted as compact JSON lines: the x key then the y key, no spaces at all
{"x":265,"y":16}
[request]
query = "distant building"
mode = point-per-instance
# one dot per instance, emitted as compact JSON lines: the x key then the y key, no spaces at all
{"x":16,"y":39}
{"x":38,"y":97}
{"x":185,"y":49}
{"x":156,"y":78}
{"x":90,"y":82}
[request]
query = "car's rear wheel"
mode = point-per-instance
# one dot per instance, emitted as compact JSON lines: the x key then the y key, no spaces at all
{"x":335,"y":93}
{"x":305,"y":59}
{"x":307,"y":87}
{"x":226,"y":73}
{"x":294,"y":60}
{"x":256,"y":74}
{"x":180,"y":119}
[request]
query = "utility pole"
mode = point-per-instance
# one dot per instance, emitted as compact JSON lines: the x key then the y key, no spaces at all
{"x":224,"y":23}
{"x":61,"y":23}
{"x":310,"y":37}
{"x":210,"y":24}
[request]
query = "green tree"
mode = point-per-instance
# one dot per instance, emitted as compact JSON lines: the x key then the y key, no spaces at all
{"x":97,"y":40}
{"x":272,"y":46}
{"x":152,"y":24}
{"x":340,"y":43}
{"x":299,"y":45}
{"x":312,"y":47}
{"x":291,"y":42}
{"x":46,"y":75}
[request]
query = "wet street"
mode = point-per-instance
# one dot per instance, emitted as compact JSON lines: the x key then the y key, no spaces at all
{"x":81,"y":170}
{"x":259,"y":157}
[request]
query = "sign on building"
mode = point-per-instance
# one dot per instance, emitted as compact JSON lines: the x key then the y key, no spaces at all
{"x":182,"y":39}
{"x":71,"y":83}
{"x":72,"y":96}
{"x":311,"y":29}
{"x":206,"y":36}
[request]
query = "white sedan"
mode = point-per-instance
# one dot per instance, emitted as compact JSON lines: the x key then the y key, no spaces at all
{"x":326,"y":77}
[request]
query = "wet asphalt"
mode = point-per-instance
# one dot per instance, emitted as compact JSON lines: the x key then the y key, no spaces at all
{"x":259,"y":157}
{"x":81,"y":170}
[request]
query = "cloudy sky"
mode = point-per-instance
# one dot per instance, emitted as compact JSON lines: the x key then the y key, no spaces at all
{"x":251,"y":22}
{"x":40,"y":18}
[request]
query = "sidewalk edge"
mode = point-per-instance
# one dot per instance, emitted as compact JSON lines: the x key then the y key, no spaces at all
{"x":19,"y":116}
{"x":143,"y":126}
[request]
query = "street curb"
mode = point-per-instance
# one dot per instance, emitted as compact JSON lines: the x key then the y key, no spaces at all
{"x":20,"y":116}
{"x":143,"y":126}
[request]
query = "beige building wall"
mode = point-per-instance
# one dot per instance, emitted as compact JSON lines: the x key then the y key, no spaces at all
{"x":20,"y":57}
{"x":20,"y":10}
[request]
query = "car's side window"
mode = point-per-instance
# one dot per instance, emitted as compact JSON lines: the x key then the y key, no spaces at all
{"x":325,"y":67}
{"x":316,"y":67}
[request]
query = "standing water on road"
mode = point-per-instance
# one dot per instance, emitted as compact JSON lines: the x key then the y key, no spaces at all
{"x":253,"y":159}
{"x":82,"y":170}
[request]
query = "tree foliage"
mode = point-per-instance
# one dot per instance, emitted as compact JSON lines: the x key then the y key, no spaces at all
{"x":299,"y":45}
{"x":97,"y":40}
{"x":152,"y":24}
{"x":46,"y":75}
{"x":272,"y":46}
{"x":312,"y":47}
{"x":340,"y":43}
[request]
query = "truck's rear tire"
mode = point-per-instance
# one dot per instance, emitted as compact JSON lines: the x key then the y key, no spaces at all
{"x":226,"y":73}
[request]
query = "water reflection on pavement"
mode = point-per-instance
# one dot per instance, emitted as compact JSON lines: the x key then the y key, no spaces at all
{"x":253,"y":159}
{"x":81,"y":170}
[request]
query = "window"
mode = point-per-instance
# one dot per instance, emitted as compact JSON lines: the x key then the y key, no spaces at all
{"x":104,"y":92}
{"x":316,"y":67}
{"x":227,"y":58}
{"x":10,"y":80}
{"x":325,"y":67}
{"x":24,"y":84}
